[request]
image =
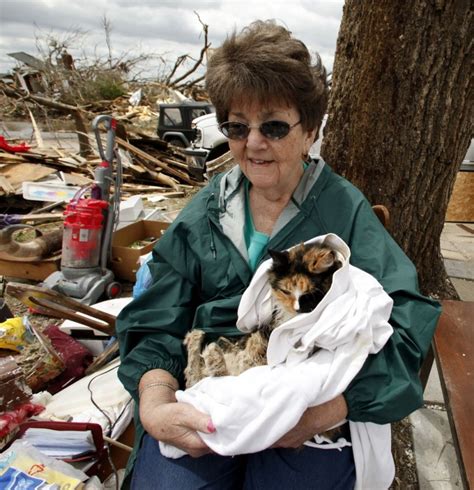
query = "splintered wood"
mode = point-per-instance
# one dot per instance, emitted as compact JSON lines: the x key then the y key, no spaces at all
{"x":148,"y":164}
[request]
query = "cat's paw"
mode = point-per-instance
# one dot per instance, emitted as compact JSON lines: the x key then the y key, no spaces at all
{"x":256,"y":347}
{"x":214,"y":360}
{"x":194,"y":338}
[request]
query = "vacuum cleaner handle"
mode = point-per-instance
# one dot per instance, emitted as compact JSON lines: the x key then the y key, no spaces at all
{"x":110,"y":125}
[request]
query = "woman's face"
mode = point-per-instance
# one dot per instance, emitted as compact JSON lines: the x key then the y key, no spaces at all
{"x":274,"y":165}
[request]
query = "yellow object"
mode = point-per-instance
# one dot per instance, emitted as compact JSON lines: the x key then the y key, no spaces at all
{"x":12,"y":333}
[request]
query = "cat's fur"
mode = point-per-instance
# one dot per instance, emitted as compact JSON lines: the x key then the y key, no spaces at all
{"x":299,"y":278}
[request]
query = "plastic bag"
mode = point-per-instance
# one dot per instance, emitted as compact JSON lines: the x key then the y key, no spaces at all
{"x":135,"y":98}
{"x":143,"y":276}
{"x":12,"y":333}
{"x":24,"y":457}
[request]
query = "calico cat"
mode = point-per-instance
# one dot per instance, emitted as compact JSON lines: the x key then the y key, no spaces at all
{"x":299,"y":279}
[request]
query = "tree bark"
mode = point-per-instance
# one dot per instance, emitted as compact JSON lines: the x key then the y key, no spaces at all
{"x":400,"y":116}
{"x":85,"y":148}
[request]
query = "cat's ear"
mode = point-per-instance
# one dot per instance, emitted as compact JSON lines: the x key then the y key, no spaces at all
{"x":280,"y":259}
{"x":321,"y":260}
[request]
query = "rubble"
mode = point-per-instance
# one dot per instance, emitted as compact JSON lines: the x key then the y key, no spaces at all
{"x":160,"y":165}
{"x":39,"y":175}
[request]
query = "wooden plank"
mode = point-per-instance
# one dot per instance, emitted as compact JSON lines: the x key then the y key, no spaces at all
{"x":130,"y":187}
{"x":72,"y":178}
{"x":69,"y":162}
{"x":461,"y":203}
{"x":170,"y":161}
{"x":60,"y":153}
{"x":36,"y":271}
{"x":175,"y":173}
{"x":6,"y":186}
{"x":10,"y":158}
{"x":22,"y":172}
{"x":454,"y":351}
{"x":37,"y":132}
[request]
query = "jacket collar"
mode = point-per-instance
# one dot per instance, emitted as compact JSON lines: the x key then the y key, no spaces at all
{"x":231,"y":181}
{"x":227,"y":206}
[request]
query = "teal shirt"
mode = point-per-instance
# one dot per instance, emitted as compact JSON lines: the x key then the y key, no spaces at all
{"x":255,"y":240}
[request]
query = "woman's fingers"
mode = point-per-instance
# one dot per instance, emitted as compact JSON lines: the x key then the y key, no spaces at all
{"x":178,"y":424}
{"x":195,"y":419}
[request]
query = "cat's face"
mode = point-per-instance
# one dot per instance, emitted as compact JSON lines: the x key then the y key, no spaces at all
{"x":301,"y":277}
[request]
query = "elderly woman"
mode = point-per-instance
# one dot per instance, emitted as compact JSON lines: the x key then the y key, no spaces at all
{"x":270,"y":101}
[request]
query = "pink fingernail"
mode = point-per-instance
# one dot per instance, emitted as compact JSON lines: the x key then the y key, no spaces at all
{"x":210,"y":426}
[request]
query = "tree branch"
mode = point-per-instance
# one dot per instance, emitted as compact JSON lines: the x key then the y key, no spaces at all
{"x":190,"y":84}
{"x":177,"y":64}
{"x":206,"y":46}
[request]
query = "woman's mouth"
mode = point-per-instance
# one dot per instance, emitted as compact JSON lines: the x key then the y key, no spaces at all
{"x":255,"y":161}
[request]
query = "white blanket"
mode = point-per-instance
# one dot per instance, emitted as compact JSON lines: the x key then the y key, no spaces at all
{"x":252,"y":411}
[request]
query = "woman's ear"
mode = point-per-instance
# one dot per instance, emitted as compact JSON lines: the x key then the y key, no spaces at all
{"x":311,"y":137}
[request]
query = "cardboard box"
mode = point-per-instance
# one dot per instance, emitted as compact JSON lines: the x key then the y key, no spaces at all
{"x":125,"y":252}
{"x":36,"y":271}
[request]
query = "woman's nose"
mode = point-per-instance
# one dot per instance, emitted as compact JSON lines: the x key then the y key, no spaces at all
{"x":256,"y":140}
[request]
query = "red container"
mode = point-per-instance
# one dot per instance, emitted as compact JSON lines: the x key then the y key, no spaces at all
{"x":82,"y":233}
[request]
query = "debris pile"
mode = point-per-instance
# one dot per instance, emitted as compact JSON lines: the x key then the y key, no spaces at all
{"x":149,"y":165}
{"x":60,"y":364}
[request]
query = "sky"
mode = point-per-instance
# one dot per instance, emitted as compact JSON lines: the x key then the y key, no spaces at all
{"x":162,"y":28}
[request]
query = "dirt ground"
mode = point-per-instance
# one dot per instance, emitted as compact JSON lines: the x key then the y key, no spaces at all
{"x":406,"y":477}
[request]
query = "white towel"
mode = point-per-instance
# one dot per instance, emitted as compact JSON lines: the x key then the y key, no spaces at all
{"x":252,"y":411}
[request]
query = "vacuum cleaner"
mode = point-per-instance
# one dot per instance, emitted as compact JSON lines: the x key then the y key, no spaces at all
{"x":88,"y":226}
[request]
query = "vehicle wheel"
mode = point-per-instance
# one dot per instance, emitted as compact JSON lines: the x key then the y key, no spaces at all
{"x":113,"y":290}
{"x":176,"y":142}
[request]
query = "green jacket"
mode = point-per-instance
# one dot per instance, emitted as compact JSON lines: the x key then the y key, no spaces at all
{"x":200,"y":271}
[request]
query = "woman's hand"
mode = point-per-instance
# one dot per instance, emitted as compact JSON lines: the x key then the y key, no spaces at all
{"x":167,"y":420}
{"x":177,"y":424}
{"x":314,"y":421}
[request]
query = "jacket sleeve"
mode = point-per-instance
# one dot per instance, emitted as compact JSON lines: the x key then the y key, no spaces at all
{"x":151,"y":328}
{"x":388,"y":387}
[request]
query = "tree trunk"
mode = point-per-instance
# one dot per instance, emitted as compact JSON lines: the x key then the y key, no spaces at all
{"x":400,"y":116}
{"x":85,"y":148}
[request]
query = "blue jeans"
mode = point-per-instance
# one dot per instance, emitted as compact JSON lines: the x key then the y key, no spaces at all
{"x":273,"y":469}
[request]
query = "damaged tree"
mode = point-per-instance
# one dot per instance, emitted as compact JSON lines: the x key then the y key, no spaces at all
{"x":400,"y":116}
{"x":85,"y":148}
{"x":178,"y":83}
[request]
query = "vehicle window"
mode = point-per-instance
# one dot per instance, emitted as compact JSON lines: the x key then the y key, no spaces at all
{"x":197,"y":113}
{"x":172,"y":117}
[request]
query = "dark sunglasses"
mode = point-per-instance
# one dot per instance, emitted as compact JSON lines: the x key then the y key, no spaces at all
{"x":273,"y":130}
